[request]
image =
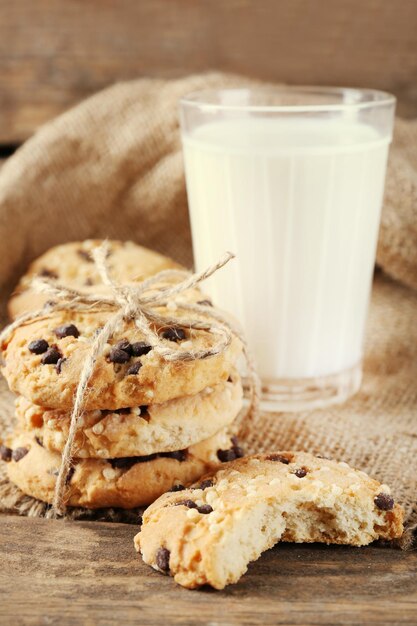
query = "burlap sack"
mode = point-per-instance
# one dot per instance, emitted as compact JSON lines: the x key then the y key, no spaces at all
{"x":113,"y":167}
{"x":397,"y":246}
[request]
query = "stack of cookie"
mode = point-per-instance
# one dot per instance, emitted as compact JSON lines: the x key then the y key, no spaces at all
{"x":149,"y":425}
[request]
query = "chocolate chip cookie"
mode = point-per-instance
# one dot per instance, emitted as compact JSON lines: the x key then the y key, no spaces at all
{"x":44,"y":359}
{"x":123,"y":482}
{"x":71,"y":265}
{"x":140,"y":430}
{"x":209,"y":533}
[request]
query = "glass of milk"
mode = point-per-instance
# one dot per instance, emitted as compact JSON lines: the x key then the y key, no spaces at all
{"x":291,"y":180}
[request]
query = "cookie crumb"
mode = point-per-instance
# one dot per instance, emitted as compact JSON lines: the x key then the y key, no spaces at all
{"x":98,"y":428}
{"x":109,"y":473}
{"x":193,"y":514}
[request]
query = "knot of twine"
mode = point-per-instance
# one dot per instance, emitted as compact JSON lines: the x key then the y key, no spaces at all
{"x":135,"y":303}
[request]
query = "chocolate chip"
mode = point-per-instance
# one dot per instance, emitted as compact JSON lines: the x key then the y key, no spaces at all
{"x":174,"y":334}
{"x":38,"y":346}
{"x":178,"y":487}
{"x":59,"y":364}
{"x":134,"y":368}
{"x":205,"y":484}
{"x":67,"y":330}
{"x":39,"y":442}
{"x":162,"y":559}
{"x":5,"y":453}
{"x":19,"y":453}
{"x":118,"y":356}
{"x":205,"y":302}
{"x":190,"y":504}
{"x":51,"y":356}
{"x":69,"y":475}
{"x":278,"y":458}
{"x":45,"y":273}
{"x":140,"y":348}
{"x":229,"y":380}
{"x":86,"y":256}
{"x":205,"y":509}
{"x":384,"y":501}
{"x":125,"y":345}
{"x":226,"y":455}
{"x":300,"y":472}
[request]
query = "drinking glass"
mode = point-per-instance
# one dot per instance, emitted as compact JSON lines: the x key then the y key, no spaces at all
{"x":291,"y":180}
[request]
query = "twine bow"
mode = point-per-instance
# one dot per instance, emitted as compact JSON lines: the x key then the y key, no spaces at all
{"x":142,"y":303}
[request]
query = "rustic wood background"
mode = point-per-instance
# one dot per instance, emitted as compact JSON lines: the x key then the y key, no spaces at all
{"x":53,"y":53}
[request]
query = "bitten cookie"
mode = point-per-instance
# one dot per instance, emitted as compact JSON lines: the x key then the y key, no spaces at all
{"x":209,"y":533}
{"x":137,"y":431}
{"x":44,"y":359}
{"x":123,"y":482}
{"x":71,"y":265}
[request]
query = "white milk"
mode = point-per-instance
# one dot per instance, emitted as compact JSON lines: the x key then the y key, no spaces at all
{"x":299,"y":203}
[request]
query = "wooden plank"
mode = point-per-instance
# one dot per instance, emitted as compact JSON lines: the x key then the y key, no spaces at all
{"x":53,"y":53}
{"x":57,"y":572}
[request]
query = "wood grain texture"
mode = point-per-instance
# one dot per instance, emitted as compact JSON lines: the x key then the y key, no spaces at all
{"x":63,"y":573}
{"x":53,"y":53}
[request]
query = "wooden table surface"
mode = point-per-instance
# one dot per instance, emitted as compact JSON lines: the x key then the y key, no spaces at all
{"x":56,"y":572}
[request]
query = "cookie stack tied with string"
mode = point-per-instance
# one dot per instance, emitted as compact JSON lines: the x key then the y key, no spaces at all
{"x":127,"y":389}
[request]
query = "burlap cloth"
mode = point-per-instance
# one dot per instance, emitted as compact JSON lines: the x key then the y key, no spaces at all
{"x":112,"y":167}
